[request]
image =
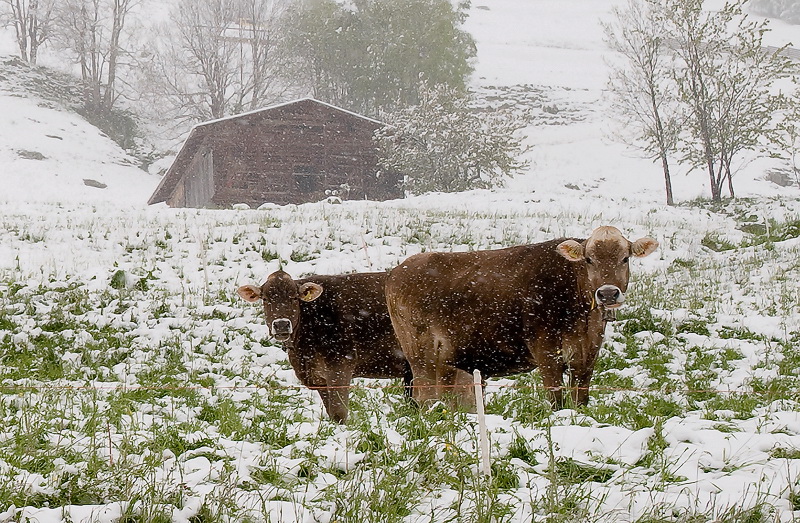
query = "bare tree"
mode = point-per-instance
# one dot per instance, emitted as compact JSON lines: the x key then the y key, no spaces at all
{"x":264,"y":59}
{"x":93,"y":31}
{"x":642,"y":94}
{"x":724,"y":80}
{"x":447,"y":144}
{"x":719,"y":69}
{"x":217,"y":58}
{"x":32,"y":20}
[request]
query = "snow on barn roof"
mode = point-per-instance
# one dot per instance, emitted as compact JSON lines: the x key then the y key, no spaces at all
{"x":284,"y":104}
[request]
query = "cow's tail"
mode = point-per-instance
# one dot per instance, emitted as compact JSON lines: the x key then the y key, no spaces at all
{"x":408,"y":379}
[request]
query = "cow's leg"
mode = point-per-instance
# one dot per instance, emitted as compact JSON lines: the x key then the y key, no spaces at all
{"x":420,"y":349}
{"x":452,"y":383}
{"x":417,"y":345}
{"x":424,"y":384}
{"x":336,"y":394}
{"x":581,"y":378}
{"x":456,"y":386}
{"x":465,"y":390}
{"x":312,"y":373}
{"x":546,"y":351}
{"x":581,"y":347}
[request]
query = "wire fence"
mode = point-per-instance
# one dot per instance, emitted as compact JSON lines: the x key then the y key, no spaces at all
{"x":664,"y":389}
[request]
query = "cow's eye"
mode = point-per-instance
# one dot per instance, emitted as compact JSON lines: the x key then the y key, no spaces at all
{"x":625,"y":259}
{"x":589,"y":261}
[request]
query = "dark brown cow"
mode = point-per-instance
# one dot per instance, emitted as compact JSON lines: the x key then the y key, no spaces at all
{"x":334,"y":328}
{"x":510,"y":310}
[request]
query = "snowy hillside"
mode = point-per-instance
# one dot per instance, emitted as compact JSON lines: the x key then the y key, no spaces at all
{"x":50,"y":153}
{"x":554,"y":48}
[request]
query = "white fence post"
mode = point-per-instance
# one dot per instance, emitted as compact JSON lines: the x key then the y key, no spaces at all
{"x":483,"y":437}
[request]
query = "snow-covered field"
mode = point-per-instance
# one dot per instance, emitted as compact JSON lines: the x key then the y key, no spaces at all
{"x":135,"y":385}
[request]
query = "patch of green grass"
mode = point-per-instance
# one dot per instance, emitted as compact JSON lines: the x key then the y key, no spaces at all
{"x":794,"y":497}
{"x":743,"y":405}
{"x":520,"y":449}
{"x":6,"y":323}
{"x":656,"y":361}
{"x":636,"y":410}
{"x":695,"y":326}
{"x":300,"y":256}
{"x":700,"y":371}
{"x":266,"y":475}
{"x":225,"y":415}
{"x":641,"y":319}
{"x":684,"y":264}
{"x":525,"y":402}
{"x":717,"y":243}
{"x":39,"y":359}
{"x":503,"y":476}
{"x":371,"y":441}
{"x":369,"y":495}
{"x":739,"y":333}
{"x":573,"y":472}
{"x":174,"y":438}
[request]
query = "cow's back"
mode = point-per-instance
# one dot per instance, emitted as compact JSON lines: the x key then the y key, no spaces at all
{"x":350,"y":321}
{"x":486,"y":303}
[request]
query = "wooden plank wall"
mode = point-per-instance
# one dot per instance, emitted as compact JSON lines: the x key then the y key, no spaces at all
{"x":292,"y":154}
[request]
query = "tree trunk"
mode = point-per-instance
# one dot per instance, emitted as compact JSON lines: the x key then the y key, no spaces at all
{"x":20,"y":27}
{"x":667,"y":179}
{"x":33,"y":53}
{"x":729,"y":175}
{"x":118,"y":21}
{"x":719,"y":182}
{"x":662,"y":147}
{"x":33,"y":30}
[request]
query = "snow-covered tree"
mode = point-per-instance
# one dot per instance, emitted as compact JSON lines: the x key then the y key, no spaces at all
{"x":714,"y":63}
{"x":787,"y":137}
{"x":445,"y":144}
{"x":643,"y":94}
{"x":724,"y":79}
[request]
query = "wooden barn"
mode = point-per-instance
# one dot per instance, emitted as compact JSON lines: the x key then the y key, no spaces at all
{"x":296,"y":152}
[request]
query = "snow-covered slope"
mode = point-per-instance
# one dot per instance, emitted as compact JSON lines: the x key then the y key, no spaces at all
{"x":49,"y":153}
{"x":555,"y":47}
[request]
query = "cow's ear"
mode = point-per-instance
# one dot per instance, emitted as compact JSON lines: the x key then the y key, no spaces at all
{"x":310,"y":291}
{"x":249,"y":293}
{"x":643,"y":247}
{"x":571,"y":250}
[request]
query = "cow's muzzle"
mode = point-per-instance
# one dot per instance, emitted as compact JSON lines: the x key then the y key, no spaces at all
{"x":609,"y":296}
{"x":282,"y":329}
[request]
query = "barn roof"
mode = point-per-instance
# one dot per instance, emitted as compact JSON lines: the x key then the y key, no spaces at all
{"x":197,"y":137}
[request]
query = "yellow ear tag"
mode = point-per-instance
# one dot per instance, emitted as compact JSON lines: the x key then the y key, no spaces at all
{"x":310,"y":292}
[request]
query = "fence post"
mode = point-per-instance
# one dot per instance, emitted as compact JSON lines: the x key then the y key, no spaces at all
{"x":483,"y":438}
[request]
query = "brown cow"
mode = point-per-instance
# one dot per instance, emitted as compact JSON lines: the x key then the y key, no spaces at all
{"x":334,"y":328}
{"x":510,"y":310}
